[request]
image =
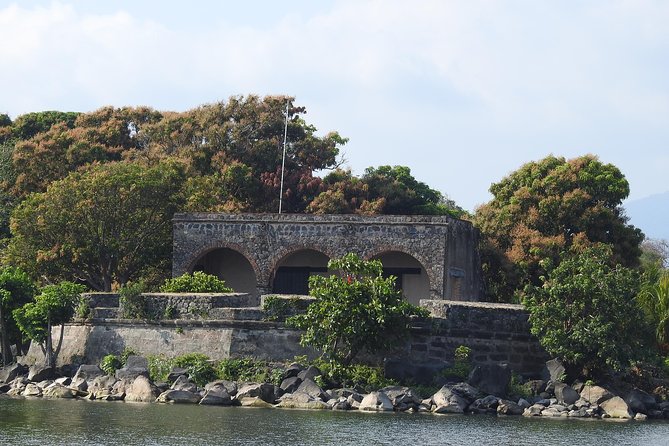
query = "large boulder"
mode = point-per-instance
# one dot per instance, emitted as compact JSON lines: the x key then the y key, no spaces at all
{"x":216,"y":396}
{"x":506,"y":407}
{"x":376,"y":401}
{"x":39,"y":373}
{"x":182,"y":383}
{"x":446,"y":401}
{"x":59,"y":391}
{"x":565,"y":394}
{"x":402,"y":397}
{"x":487,"y":404}
{"x":290,"y":385}
{"x":32,"y":390}
{"x":141,"y":390}
{"x":264,"y":391}
{"x":11,"y":372}
{"x":301,"y":400}
{"x":309,"y":387}
{"x":175,"y":373}
{"x":616,"y":407}
{"x":595,"y":394}
{"x":292,"y":371}
{"x":554,"y":371}
{"x":88,"y":372}
{"x":492,"y":379}
{"x":134,"y":367}
{"x":640,"y":401}
{"x":310,"y":372}
{"x":229,"y":386}
{"x":466,"y":391}
{"x":178,"y":397}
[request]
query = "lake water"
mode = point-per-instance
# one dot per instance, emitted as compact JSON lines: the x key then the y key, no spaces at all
{"x":67,"y":422}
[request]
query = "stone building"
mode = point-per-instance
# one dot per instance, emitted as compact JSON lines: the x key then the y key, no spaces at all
{"x":433,"y":257}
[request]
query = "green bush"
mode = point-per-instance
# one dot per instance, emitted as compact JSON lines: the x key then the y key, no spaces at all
{"x":363,"y":378}
{"x":82,"y":310}
{"x":278,"y":308}
{"x":198,"y":366}
{"x":198,"y":282}
{"x":110,"y":364}
{"x":462,"y":365}
{"x":247,"y":369}
{"x":160,"y":367}
{"x":355,"y":311}
{"x":133,"y":304}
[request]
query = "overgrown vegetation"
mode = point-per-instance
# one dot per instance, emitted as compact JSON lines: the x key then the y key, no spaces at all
{"x":462,"y":364}
{"x":355,"y":311}
{"x":198,"y":282}
{"x":132,"y":303}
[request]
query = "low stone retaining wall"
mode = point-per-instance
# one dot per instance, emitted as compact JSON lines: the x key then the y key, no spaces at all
{"x":496,"y":333}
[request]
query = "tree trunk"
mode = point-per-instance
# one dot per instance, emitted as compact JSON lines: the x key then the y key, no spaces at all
{"x":4,"y":340}
{"x":48,"y":351}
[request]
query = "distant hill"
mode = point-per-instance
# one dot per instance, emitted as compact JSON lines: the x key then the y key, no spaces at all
{"x":651,"y":214}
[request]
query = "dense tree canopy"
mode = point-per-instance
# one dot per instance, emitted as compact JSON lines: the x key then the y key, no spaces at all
{"x":544,"y":209}
{"x":585,"y":313}
{"x":102,"y":225}
{"x":16,"y":289}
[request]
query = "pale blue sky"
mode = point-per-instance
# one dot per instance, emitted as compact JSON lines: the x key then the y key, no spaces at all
{"x":462,"y":92}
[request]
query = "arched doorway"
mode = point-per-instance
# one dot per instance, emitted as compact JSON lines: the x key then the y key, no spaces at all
{"x":232,"y":267}
{"x":292,"y":272}
{"x":412,"y":278}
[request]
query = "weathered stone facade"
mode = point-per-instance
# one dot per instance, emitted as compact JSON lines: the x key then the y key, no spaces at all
{"x":445,"y":248}
{"x":496,"y":333}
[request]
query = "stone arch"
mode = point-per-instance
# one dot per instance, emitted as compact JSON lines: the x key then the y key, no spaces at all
{"x":292,"y":267}
{"x":229,"y":262}
{"x":413,"y":278}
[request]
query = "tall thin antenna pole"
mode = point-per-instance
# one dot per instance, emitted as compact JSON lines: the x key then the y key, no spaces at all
{"x":283,"y":160}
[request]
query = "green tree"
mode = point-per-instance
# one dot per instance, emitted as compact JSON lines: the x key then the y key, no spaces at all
{"x":102,"y":225}
{"x":16,"y":289}
{"x":354,"y":311}
{"x":545,"y":208}
{"x":654,"y":301}
{"x":52,"y":307}
{"x":585,"y":312}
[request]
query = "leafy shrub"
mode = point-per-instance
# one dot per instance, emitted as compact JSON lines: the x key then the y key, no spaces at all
{"x":133,"y":304}
{"x":462,"y":365}
{"x":198,"y":282}
{"x":82,"y":310}
{"x":198,"y":366}
{"x":278,"y":308}
{"x":170,"y":312}
{"x":518,"y":388}
{"x":110,"y":364}
{"x":362,"y":377}
{"x":356,"y":311}
{"x":247,"y":369}
{"x":160,"y":367}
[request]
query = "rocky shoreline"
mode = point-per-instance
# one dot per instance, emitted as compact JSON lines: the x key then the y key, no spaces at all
{"x":299,"y":390}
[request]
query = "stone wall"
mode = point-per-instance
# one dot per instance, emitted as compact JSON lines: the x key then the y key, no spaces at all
{"x":496,"y":333}
{"x":444,"y":246}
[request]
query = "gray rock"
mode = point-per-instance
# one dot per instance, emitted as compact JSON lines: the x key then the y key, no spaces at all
{"x":32,"y":389}
{"x":264,"y":391}
{"x":536,"y":386}
{"x":400,"y":396}
{"x":88,"y":372}
{"x":466,"y":391}
{"x":554,"y":371}
{"x":616,"y":407}
{"x":79,"y":384}
{"x":182,"y":383}
{"x":565,"y":394}
{"x":178,"y":397}
{"x":229,"y":386}
{"x":301,"y":400}
{"x":534,"y":410}
{"x":141,"y":390}
{"x":290,"y":385}
{"x":64,"y":381}
{"x":216,"y":396}
{"x":641,"y":417}
{"x":175,"y":373}
{"x":446,"y":401}
{"x":4,"y":388}
{"x":59,"y":391}
{"x":40,"y":373}
{"x":595,"y":394}
{"x":341,"y":404}
{"x":310,"y":372}
{"x":491,"y":379}
{"x":254,"y":401}
{"x":506,"y":407}
{"x":11,"y":372}
{"x":640,"y":401}
{"x":555,"y":411}
{"x":487,"y":404}
{"x":309,"y":387}
{"x":376,"y":401}
{"x":524,"y":403}
{"x":292,"y":371}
